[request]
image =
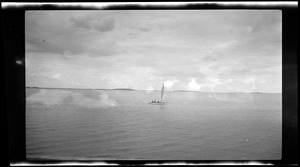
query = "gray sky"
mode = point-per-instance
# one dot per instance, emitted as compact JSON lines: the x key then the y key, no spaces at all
{"x":214,"y":51}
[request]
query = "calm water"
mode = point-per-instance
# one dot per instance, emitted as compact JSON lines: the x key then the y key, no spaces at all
{"x":112,"y":124}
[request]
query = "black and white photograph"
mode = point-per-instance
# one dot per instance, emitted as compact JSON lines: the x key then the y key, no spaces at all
{"x":153,"y":84}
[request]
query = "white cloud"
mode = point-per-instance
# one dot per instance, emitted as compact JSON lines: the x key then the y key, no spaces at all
{"x":244,"y":84}
{"x":193,"y":85}
{"x":249,"y":80}
{"x":169,"y":83}
{"x":56,"y":76}
{"x":227,"y":44}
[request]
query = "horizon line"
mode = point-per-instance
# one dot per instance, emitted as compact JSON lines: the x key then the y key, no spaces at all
{"x":131,"y":89}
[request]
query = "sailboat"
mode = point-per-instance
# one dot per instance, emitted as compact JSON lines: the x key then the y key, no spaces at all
{"x":161,"y":102}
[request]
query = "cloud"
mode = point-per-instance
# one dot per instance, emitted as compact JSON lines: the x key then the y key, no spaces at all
{"x":144,"y":29}
{"x":239,"y":84}
{"x":142,"y":49}
{"x":100,"y":47}
{"x":169,"y":83}
{"x":69,"y":32}
{"x":193,"y":85}
{"x":56,"y":76}
{"x":227,"y":44}
{"x":212,"y":56}
{"x":105,"y":25}
{"x":92,"y":22}
{"x":62,"y":97}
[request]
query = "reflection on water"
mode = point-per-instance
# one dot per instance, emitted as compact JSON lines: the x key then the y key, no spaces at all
{"x":111,"y":124}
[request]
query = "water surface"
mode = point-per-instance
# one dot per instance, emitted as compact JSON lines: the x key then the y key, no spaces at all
{"x":117,"y":124}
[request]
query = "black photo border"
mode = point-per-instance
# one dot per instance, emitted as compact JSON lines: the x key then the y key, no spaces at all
{"x":13,"y":51}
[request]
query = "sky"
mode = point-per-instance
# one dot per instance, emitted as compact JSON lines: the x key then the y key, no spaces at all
{"x":199,"y":50}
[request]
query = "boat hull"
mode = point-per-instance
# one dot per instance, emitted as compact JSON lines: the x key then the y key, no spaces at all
{"x":160,"y":103}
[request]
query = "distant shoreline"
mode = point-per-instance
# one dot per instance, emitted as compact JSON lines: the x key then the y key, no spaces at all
{"x":129,"y":89}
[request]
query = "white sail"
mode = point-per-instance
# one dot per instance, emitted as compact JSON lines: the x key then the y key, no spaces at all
{"x":162,"y":92}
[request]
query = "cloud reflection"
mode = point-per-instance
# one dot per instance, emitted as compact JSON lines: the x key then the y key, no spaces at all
{"x":62,"y":97}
